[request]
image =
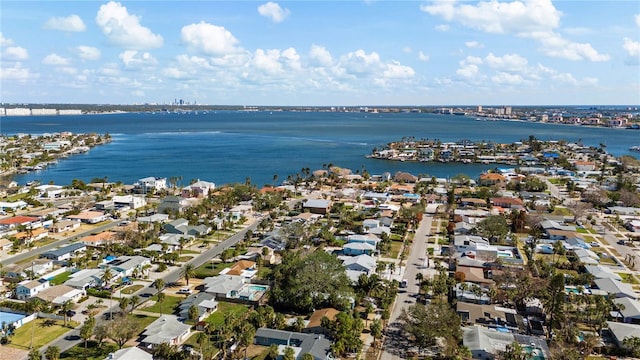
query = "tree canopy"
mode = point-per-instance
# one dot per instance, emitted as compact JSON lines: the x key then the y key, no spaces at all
{"x":424,"y":324}
{"x":303,"y":282}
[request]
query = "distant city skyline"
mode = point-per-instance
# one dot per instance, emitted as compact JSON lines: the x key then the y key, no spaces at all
{"x":315,"y":53}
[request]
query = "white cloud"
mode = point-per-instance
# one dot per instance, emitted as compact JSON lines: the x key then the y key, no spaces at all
{"x":291,"y":58}
{"x":407,"y":50}
{"x":55,"y":60}
{"x":359,"y":62}
{"x":473,"y":45}
{"x":503,"y":78}
{"x":631,"y":47}
{"x":71,"y":23}
{"x":4,"y":41}
{"x":273,"y":11}
{"x":395,"y":70}
{"x":136,"y":59}
{"x":320,"y":55}
{"x":15,"y":53}
{"x":268,"y":61}
{"x":556,"y":46}
{"x":422,"y":56}
{"x":442,"y":28}
{"x":472,"y":60}
{"x":508,"y":62}
{"x":637,"y":20}
{"x":468,"y":71}
{"x":124,"y":29}
{"x":209,"y":39}
{"x":528,"y":19}
{"x":17,"y":72}
{"x":88,"y":52}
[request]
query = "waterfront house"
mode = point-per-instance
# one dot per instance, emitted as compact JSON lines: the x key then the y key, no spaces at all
{"x":28,"y":288}
{"x":316,"y":345}
{"x":166,"y":329}
{"x":491,"y":179}
{"x":198,"y":189}
{"x":150,"y":185}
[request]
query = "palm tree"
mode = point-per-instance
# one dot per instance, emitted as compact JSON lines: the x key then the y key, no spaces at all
{"x":188,"y":272}
{"x":66,"y":306}
{"x":52,"y":353}
{"x":106,"y":277}
{"x":161,"y":297}
{"x":134,"y":301}
{"x":159,"y":285}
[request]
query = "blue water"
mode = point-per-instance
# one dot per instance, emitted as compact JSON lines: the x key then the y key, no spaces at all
{"x":232,"y":146}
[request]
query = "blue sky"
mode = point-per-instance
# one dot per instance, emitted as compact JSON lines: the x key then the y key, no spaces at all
{"x":522,"y":52}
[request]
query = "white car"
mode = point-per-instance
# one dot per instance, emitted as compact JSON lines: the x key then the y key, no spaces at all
{"x":186,"y":291}
{"x":594,"y":244}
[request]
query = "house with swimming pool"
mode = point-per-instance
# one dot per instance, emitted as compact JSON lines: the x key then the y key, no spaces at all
{"x":234,"y":287}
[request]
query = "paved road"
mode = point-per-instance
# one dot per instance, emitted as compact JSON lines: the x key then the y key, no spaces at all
{"x":395,"y":344}
{"x":56,"y":244}
{"x":72,"y":337}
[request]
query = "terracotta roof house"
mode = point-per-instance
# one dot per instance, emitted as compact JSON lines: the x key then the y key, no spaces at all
{"x":508,"y":203}
{"x":490,"y":179}
{"x":315,"y":321}
{"x":100,"y":239}
{"x":404,"y":177}
{"x":13,"y":222}
{"x":244,"y":268}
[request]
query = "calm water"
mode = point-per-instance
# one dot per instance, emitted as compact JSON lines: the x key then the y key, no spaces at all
{"x":226,"y":146}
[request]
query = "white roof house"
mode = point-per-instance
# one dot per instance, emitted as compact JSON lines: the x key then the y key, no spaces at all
{"x":226,"y":286}
{"x":629,"y":310}
{"x":601,"y":272}
{"x":130,"y":353}
{"x":617,"y":288}
{"x":166,"y":329}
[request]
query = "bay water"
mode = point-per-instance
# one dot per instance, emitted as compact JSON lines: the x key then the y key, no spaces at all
{"x":237,"y":146}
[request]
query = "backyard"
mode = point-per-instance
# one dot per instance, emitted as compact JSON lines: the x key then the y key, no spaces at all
{"x":43,"y":330}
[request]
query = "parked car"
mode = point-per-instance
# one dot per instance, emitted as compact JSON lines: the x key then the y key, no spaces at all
{"x":185,"y":291}
{"x":621,"y":242}
{"x":594,"y":244}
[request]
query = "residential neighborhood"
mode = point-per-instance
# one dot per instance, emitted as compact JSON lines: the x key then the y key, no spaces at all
{"x":536,"y":261}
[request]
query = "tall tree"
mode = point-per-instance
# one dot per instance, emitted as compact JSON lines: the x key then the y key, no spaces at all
{"x":425,"y":324}
{"x":188,"y":272}
{"x":86,"y":331}
{"x":52,"y":353}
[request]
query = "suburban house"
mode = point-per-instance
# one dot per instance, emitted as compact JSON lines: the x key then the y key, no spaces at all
{"x":601,"y":272}
{"x":5,"y":244}
{"x":166,"y":329}
{"x":205,"y":303}
{"x":315,"y":321}
{"x":155,"y":218}
{"x":90,"y":217}
{"x":100,"y":239}
{"x":485,"y":343}
{"x":128,"y":265}
{"x":628,"y":310}
{"x":29,"y":288}
{"x":129,"y":201}
{"x":358,"y":265}
{"x":182,"y":227}
{"x":369,"y":224}
{"x":316,"y":345}
{"x":508,"y":203}
{"x":224,"y":286}
{"x":29,"y":235}
{"x":86,"y":278}
{"x":39,"y":267}
{"x":59,"y":294}
{"x":491,"y":179}
{"x":615,"y":288}
{"x":244,"y":268}
{"x":65,"y":253}
{"x":621,"y":331}
{"x":64,"y":226}
{"x":198,"y":189}
{"x":356,"y":248}
{"x":16,"y":221}
{"x":366,"y":238}
{"x":130,"y":353}
{"x":317,"y":206}
{"x":172,"y":204}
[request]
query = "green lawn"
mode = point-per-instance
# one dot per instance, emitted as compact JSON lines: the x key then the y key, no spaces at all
{"x":131,"y":289}
{"x":211,"y":269}
{"x":169,"y":305}
{"x":582,"y":230}
{"x":225,"y":308}
{"x":628,"y":278}
{"x":185,"y":258}
{"x":142,"y":321}
{"x":60,"y":278}
{"x":92,"y":352}
{"x":44,"y":331}
{"x":561,"y":211}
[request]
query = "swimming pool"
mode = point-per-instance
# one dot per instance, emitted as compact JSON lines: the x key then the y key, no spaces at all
{"x":256,"y":288}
